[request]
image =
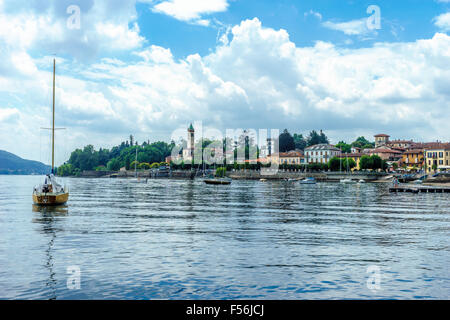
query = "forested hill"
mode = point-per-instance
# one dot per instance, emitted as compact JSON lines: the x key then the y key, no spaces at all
{"x":12,"y":164}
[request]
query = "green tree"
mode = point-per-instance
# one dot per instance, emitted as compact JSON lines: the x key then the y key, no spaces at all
{"x":334,"y":164}
{"x":221,"y":172}
{"x":299,"y":141}
{"x":362,"y":142}
{"x":366,"y":162}
{"x":345,"y":148}
{"x":113,"y":165}
{"x":286,"y":141}
{"x":377,"y":162}
{"x":348,"y":163}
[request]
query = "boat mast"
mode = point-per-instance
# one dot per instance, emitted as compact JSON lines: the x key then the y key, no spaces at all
{"x":53,"y":123}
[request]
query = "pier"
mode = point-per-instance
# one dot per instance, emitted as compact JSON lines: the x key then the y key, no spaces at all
{"x":417,"y":189}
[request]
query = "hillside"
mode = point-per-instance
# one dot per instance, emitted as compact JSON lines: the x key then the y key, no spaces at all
{"x":12,"y":164}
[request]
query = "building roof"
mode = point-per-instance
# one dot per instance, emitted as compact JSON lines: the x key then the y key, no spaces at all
{"x":289,"y":154}
{"x":383,"y":150}
{"x":352,"y":155}
{"x":438,"y":146}
{"x":382,"y":135}
{"x":321,"y":147}
{"x":191,"y":128}
{"x":412,"y":151}
{"x":400,"y":141}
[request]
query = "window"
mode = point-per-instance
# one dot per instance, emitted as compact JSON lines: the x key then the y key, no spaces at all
{"x":441,"y":154}
{"x":441,"y":162}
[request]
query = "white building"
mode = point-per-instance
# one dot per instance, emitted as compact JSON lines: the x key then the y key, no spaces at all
{"x":321,"y":153}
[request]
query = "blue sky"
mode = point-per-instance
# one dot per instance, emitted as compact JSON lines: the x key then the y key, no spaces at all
{"x":148,"y":67}
{"x":401,"y":21}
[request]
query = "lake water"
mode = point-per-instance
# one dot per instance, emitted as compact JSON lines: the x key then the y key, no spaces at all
{"x":170,"y":239}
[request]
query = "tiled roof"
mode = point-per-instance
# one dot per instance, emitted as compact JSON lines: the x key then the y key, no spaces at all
{"x":322,"y":146}
{"x":382,"y":135}
{"x":411,"y":151}
{"x":438,"y":146}
{"x":384,"y":150}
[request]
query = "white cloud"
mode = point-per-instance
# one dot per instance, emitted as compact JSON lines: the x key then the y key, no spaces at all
{"x":443,"y":21}
{"x":314,"y":14}
{"x":191,"y":10}
{"x":258,"y":78}
{"x":353,"y":27}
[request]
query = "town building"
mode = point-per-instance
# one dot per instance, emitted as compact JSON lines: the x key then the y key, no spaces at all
{"x":437,"y":157}
{"x":413,"y":158}
{"x":295,"y":157}
{"x":381,"y":140}
{"x":385,"y":153}
{"x":356,"y":156}
{"x":400,"y":144}
{"x":321,"y":153}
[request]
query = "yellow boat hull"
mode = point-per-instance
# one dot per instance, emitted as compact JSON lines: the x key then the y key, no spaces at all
{"x":49,"y":199}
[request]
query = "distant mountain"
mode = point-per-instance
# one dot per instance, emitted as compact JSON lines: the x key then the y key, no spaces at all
{"x":12,"y":164}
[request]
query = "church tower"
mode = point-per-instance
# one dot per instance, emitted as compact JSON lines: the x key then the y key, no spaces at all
{"x":191,"y":141}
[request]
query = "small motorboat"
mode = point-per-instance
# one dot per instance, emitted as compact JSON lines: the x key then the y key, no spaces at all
{"x":347,"y":180}
{"x":218,"y":181}
{"x":309,"y":180}
{"x":262,"y":180}
{"x":361,"y":181}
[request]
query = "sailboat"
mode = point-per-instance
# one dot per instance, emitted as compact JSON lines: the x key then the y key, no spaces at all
{"x":347,"y":180}
{"x":51,"y":193}
{"x":218,"y":180}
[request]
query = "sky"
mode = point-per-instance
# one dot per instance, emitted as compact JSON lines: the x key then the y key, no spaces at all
{"x":150,"y":67}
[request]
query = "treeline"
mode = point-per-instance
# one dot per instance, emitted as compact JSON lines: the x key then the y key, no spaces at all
{"x":366,"y":162}
{"x":288,"y":142}
{"x":123,"y":155}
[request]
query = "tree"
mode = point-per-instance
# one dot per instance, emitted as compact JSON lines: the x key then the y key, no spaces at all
{"x":345,"y":148}
{"x":220,"y":172}
{"x":366,"y":162}
{"x":313,"y":138}
{"x":377,"y":162}
{"x":131,"y":140}
{"x":286,"y":141}
{"x":113,"y":165}
{"x":323,"y":138}
{"x":362,"y":142}
{"x":334,"y":164}
{"x":299,"y":141}
{"x":144,"y":165}
{"x":348,"y":163}
{"x":316,"y":138}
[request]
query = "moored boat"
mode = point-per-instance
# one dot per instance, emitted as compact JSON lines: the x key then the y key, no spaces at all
{"x":218,"y":181}
{"x":308,"y":180}
{"x":51,"y":193}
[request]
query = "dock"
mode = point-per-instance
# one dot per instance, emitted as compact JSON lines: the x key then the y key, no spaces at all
{"x":417,"y":189}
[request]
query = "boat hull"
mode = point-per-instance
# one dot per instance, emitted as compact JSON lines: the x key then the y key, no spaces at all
{"x":48,"y":199}
{"x":217,"y":182}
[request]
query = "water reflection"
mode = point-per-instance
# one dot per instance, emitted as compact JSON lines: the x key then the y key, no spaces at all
{"x":46,"y":217}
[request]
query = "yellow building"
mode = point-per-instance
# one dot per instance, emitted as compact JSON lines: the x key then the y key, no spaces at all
{"x":438,"y":157}
{"x":355,"y":156}
{"x":291,"y":157}
{"x":413,"y":158}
